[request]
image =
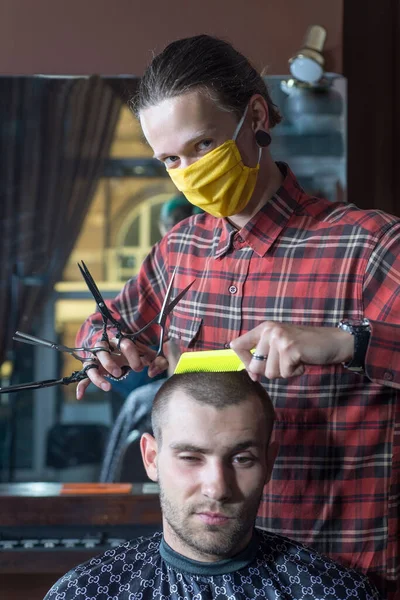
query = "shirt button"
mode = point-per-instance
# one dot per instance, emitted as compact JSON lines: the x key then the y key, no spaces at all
{"x":233,"y":289}
{"x":388,"y":375}
{"x":239,"y":239}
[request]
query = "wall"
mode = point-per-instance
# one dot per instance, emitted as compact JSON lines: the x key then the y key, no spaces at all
{"x":118,"y":36}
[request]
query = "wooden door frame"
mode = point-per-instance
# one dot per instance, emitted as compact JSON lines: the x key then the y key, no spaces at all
{"x":371,"y":66}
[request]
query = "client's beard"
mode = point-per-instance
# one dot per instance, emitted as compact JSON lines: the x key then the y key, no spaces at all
{"x":210,"y":540}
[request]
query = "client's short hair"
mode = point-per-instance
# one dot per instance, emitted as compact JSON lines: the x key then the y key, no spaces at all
{"x":214,"y":389}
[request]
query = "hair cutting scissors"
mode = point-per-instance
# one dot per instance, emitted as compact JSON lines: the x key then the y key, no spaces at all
{"x":75,"y":377}
{"x":160,"y":319}
{"x":37,"y":341}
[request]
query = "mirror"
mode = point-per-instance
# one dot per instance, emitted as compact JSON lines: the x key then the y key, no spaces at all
{"x":78,"y":182}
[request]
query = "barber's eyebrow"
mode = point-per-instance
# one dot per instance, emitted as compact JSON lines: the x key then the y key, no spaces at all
{"x":187,"y":447}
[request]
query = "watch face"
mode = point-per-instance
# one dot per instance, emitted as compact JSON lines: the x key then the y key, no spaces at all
{"x":349,"y":324}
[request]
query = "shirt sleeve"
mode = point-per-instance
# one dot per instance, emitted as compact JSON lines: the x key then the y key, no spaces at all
{"x":137,"y":304}
{"x":381,"y":296}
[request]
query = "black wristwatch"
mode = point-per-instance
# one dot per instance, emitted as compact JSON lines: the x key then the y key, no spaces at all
{"x":362,"y":332}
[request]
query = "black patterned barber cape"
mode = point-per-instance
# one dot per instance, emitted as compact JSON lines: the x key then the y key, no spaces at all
{"x":270,"y":567}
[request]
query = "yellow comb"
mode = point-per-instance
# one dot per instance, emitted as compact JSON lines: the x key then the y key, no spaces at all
{"x":211,"y":361}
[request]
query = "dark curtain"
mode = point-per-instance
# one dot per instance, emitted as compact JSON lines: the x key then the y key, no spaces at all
{"x":54,"y":136}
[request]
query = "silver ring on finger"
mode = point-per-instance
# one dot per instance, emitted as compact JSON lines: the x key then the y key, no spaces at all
{"x":260,"y":357}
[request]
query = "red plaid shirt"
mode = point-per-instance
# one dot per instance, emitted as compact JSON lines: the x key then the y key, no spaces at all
{"x":306,"y":261}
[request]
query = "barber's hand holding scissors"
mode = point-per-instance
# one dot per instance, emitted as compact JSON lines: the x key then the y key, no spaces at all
{"x":125,"y":351}
{"x":134,"y":355}
{"x":109,"y":357}
{"x":283,"y":350}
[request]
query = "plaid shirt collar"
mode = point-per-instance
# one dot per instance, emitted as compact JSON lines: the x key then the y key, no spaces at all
{"x":264,"y":228}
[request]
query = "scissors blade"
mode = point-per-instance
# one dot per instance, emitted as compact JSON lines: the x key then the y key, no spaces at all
{"x":175,"y":301}
{"x":35,"y":385}
{"x":94,"y":290}
{"x":36,"y":341}
{"x":29,"y":339}
{"x":168,"y":292}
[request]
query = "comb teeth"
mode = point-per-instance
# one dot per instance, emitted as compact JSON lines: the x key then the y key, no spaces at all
{"x":209,"y":361}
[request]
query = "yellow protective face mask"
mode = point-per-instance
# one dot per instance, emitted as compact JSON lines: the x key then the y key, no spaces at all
{"x":218,"y":182}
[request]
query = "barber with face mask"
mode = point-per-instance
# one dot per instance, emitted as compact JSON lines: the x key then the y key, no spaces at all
{"x":311,"y":286}
{"x":220,"y":183}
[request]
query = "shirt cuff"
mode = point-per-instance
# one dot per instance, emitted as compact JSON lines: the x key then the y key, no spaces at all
{"x":382,"y":361}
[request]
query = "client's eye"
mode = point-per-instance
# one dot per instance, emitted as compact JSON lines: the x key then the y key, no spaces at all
{"x":243,"y":460}
{"x":189,"y":458}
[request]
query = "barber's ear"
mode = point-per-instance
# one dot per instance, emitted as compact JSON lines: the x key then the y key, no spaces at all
{"x":148,"y":448}
{"x":272,"y":452}
{"x":259,"y":112}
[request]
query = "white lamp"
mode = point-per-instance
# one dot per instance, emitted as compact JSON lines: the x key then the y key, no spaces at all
{"x":308,"y":64}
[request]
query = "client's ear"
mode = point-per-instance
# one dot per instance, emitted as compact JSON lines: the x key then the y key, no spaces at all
{"x":272,"y":453}
{"x":148,"y":448}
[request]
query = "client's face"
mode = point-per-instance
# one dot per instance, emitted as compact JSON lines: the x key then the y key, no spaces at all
{"x":212,"y":466}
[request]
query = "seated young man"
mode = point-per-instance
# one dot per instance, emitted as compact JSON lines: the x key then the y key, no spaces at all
{"x":211,"y":457}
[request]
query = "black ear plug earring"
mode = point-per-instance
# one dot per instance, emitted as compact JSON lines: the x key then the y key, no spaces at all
{"x":263,"y":138}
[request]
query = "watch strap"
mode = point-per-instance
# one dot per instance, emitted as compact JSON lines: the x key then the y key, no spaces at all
{"x":361,"y":333}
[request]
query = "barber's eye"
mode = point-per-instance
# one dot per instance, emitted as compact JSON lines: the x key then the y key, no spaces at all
{"x":204,"y":145}
{"x":170,"y":160}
